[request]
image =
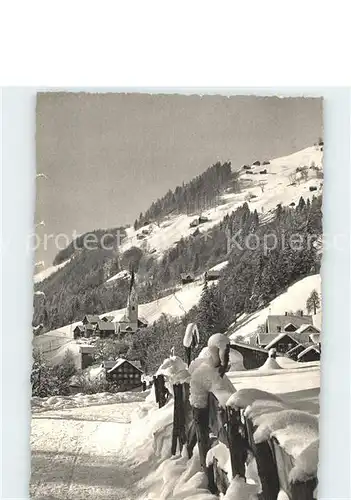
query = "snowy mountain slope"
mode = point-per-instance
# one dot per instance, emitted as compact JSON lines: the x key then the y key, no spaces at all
{"x":269,"y":189}
{"x":42,"y":275}
{"x":292,"y":300}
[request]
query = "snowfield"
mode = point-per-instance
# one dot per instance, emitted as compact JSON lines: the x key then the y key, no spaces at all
{"x":122,"y":450}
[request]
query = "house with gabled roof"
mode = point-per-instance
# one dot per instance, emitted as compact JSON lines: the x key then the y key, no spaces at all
{"x":278,"y":323}
{"x":105,"y":329}
{"x":79,"y":331}
{"x":296,"y":350}
{"x":124,"y":373}
{"x":311,"y":353}
{"x":285,"y":341}
{"x":92,"y":319}
{"x":187,"y":278}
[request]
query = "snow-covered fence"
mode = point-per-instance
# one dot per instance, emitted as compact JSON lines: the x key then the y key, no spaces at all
{"x":249,"y":442}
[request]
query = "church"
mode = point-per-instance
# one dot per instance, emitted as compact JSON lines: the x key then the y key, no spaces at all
{"x":130,"y":321}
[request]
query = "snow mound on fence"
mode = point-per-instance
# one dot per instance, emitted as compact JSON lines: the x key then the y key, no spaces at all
{"x":217,"y":345}
{"x":245,"y":397}
{"x":306,"y":464}
{"x":205,"y":379}
{"x":294,"y":429}
{"x":191,"y":333}
{"x":174,"y":370}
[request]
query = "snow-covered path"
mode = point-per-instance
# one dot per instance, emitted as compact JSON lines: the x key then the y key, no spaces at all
{"x":79,"y":453}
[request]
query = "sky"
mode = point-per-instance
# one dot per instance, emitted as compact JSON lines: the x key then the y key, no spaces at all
{"x":108,"y":156}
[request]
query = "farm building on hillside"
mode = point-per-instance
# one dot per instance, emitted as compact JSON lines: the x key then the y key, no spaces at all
{"x":92,"y":319}
{"x":212,"y":275}
{"x":126,"y":374}
{"x":105,"y":329}
{"x":311,"y":353}
{"x":278,"y":323}
{"x":199,"y":220}
{"x":187,"y":278}
{"x":79,"y":331}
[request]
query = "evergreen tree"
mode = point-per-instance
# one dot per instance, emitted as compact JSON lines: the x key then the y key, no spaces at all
{"x":313,"y":302}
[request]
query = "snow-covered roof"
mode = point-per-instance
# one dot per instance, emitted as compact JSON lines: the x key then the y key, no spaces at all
{"x":86,"y":349}
{"x":307,"y":327}
{"x":120,"y":362}
{"x":275,"y":321}
{"x":281,"y":336}
{"x":233,"y":344}
{"x":80,"y":327}
{"x":92,"y":318}
{"x":263,"y":338}
{"x":308,"y":349}
{"x":288,"y":325}
{"x":106,"y":326}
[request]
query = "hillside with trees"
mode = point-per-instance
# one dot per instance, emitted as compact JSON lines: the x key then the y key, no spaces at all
{"x":199,"y":194}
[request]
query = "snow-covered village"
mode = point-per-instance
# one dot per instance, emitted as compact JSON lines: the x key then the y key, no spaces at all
{"x":179,"y":356}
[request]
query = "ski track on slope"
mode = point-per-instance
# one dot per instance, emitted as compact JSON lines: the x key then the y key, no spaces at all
{"x":81,"y":453}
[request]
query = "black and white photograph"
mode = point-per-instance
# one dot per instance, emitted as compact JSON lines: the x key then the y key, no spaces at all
{"x":177,"y":297}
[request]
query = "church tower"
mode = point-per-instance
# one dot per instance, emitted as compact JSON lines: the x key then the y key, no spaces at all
{"x":129,"y":321}
{"x":132,"y":304}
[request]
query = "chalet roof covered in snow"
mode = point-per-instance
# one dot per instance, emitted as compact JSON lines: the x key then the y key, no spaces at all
{"x":112,"y":365}
{"x":106,"y":326}
{"x":81,"y":328}
{"x":308,"y":349}
{"x":91,"y":318}
{"x":299,"y":338}
{"x":298,"y":348}
{"x":274,"y":322}
{"x":262,"y":338}
{"x":86,"y":349}
{"x":307,"y":328}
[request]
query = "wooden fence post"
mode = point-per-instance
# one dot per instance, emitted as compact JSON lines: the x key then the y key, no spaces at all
{"x":156,"y":388}
{"x":160,"y":390}
{"x":201,"y":421}
{"x":266,"y":466}
{"x":178,"y":434}
{"x":237,"y":444}
{"x":303,"y":491}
